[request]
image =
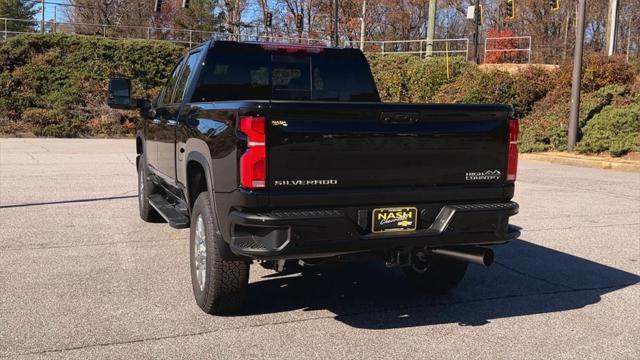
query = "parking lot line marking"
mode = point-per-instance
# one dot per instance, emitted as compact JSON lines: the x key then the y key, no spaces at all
{"x":68,"y":201}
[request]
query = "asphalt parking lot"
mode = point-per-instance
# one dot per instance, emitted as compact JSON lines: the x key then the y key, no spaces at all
{"x":81,"y":276}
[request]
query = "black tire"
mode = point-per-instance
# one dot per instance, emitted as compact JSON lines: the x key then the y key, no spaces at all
{"x":224,"y":286}
{"x":146,"y":188}
{"x":437,"y":274}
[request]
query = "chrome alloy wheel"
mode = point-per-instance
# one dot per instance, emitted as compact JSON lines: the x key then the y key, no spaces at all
{"x":200,"y":252}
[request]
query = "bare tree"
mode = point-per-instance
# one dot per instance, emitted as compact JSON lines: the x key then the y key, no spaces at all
{"x":552,"y":31}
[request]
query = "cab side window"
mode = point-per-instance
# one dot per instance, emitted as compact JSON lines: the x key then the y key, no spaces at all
{"x":190,"y":67}
{"x":167,"y":93}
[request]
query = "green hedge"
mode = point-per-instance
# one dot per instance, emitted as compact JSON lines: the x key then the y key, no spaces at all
{"x":546,"y":128}
{"x":521,"y":90}
{"x":614,"y":129}
{"x":607,"y":83}
{"x":407,"y":78}
{"x":55,"y":85}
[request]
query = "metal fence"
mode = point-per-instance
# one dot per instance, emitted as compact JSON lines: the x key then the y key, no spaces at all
{"x":511,"y":49}
{"x":516,"y":49}
{"x":12,"y":27}
{"x":422,"y":48}
{"x":439,"y":47}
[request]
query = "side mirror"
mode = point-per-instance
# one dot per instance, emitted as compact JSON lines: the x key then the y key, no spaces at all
{"x":146,"y":109}
{"x":120,"y":94}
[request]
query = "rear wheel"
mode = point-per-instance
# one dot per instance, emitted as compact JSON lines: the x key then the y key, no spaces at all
{"x":219,"y":286}
{"x":145,"y":188}
{"x":436,"y":273}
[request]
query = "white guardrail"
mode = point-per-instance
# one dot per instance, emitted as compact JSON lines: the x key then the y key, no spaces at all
{"x":12,"y":27}
{"x":439,"y":47}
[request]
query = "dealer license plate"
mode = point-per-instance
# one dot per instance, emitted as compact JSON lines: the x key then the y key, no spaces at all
{"x":394,"y":219}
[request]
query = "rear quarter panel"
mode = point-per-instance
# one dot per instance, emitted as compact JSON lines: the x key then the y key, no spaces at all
{"x":214,"y":124}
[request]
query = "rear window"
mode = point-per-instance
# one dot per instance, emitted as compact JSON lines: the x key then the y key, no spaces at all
{"x":249,"y":72}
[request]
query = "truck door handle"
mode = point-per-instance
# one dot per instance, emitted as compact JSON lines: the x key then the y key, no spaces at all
{"x":156,"y":121}
{"x":399,"y":117}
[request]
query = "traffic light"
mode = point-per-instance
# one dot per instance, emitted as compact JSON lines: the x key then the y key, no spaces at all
{"x":510,"y":9}
{"x":554,"y":4}
{"x":299,"y":21}
{"x":268,"y":19}
{"x":185,"y":3}
{"x":157,"y":7}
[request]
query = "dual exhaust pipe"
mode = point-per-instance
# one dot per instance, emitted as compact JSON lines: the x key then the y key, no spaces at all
{"x":469,"y":254}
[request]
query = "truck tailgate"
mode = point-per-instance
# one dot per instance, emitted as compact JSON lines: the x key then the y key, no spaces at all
{"x":359,"y":145}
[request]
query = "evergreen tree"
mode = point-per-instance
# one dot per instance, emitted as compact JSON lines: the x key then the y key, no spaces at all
{"x":18,"y":9}
{"x":200,"y":16}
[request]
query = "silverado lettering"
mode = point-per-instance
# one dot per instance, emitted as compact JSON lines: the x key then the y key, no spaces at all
{"x":304,"y":182}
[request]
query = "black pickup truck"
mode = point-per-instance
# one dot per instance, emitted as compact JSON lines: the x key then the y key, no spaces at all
{"x":284,"y":154}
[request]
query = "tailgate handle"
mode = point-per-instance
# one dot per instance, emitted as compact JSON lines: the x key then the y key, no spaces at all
{"x":399,"y":117}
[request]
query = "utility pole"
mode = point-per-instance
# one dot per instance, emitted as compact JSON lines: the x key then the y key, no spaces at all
{"x":499,"y":16}
{"x":566,"y":36}
{"x":577,"y":76}
{"x":336,"y":40}
{"x":476,"y":33}
{"x":431,"y":26}
{"x":309,"y":18}
{"x":364,"y":13}
{"x":42,"y":24}
{"x":612,"y":26}
{"x":628,"y":40}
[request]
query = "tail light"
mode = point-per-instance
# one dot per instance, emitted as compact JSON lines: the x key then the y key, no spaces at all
{"x":512,"y":160}
{"x":253,"y":163}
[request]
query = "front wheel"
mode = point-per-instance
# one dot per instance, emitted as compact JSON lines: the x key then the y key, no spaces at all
{"x":219,"y":286}
{"x":145,"y":188}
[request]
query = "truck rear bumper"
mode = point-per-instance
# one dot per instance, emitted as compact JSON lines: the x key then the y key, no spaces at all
{"x":330,"y":232}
